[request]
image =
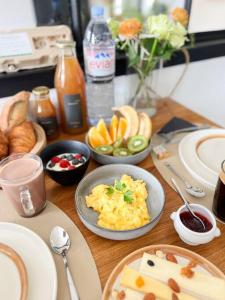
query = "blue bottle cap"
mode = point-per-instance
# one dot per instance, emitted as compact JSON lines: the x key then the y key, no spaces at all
{"x":97,"y":11}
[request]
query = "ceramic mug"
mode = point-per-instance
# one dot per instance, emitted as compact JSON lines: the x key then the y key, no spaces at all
{"x":191,"y":237}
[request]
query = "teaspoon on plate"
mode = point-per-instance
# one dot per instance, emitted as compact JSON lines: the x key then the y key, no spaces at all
{"x":194,"y":191}
{"x":187,"y":204}
{"x":60,"y":243}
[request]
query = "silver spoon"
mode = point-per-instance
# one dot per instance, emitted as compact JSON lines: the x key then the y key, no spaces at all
{"x":194,"y":191}
{"x":60,"y":243}
{"x":187,"y":203}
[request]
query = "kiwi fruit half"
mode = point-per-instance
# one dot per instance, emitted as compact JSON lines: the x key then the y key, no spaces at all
{"x":121,"y":152}
{"x":104,"y":149}
{"x":137,"y":143}
{"x":118,"y":143}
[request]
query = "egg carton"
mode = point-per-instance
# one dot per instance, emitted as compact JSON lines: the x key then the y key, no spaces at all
{"x":42,"y":43}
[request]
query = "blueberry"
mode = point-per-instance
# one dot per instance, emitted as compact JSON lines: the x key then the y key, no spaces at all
{"x":81,"y":160}
{"x":75,"y":161}
{"x":64,"y":156}
{"x":70,"y":157}
{"x":51,"y":165}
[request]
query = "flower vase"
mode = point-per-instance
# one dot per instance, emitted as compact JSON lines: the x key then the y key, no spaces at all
{"x":145,"y":97}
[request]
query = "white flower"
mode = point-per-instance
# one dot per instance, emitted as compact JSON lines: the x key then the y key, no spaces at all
{"x":160,"y":26}
{"x":178,"y":36}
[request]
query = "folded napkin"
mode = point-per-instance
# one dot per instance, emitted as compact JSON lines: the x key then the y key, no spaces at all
{"x":175,"y":124}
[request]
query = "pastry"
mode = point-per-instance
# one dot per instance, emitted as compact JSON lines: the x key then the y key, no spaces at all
{"x":22,"y":138}
{"x":15,"y":111}
{"x":3,"y":145}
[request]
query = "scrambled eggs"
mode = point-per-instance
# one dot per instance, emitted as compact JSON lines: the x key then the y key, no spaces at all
{"x":122,"y":206}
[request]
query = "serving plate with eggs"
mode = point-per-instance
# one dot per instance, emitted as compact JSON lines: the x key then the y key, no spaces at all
{"x":119,"y":202}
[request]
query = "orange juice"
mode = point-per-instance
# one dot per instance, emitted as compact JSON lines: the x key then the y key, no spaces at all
{"x":70,"y":87}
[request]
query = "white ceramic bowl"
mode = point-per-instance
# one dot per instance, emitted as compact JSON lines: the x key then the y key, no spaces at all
{"x":191,"y":237}
{"x":107,"y":175}
{"x":110,"y":159}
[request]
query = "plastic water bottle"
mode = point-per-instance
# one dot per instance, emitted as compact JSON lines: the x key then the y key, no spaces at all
{"x":99,"y":58}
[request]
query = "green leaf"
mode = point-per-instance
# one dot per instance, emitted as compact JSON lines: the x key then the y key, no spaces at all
{"x":119,"y":185}
{"x":109,"y":190}
{"x":127,"y":197}
{"x":114,"y":27}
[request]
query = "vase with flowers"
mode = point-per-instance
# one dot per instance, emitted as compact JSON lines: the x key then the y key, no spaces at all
{"x":146,"y":44}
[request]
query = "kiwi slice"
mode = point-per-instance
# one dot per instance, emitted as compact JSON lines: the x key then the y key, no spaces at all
{"x":104,"y":149}
{"x":118,"y":143}
{"x":121,"y":152}
{"x":137,"y":143}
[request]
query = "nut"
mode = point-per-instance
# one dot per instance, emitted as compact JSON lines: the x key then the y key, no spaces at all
{"x":149,"y":296}
{"x":173,"y":285}
{"x":159,"y":253}
{"x":174,"y":297}
{"x":170,"y":257}
{"x":121,"y":295}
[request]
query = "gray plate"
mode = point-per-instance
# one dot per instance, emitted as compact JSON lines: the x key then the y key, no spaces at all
{"x":108,"y":159}
{"x":107,"y":175}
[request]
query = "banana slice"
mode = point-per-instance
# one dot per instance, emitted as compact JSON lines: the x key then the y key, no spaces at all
{"x":131,"y":115}
{"x":145,"y":125}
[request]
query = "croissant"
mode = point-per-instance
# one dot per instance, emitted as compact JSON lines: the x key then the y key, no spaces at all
{"x":3,"y":145}
{"x":22,"y":138}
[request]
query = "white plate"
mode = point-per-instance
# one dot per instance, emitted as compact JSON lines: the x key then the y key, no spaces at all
{"x":40,"y":266}
{"x":133,"y":260}
{"x":202,"y":153}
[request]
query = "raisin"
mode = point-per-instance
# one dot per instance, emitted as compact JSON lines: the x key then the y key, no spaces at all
{"x":150,"y":263}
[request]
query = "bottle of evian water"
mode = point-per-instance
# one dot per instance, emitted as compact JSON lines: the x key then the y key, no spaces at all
{"x":99,"y":58}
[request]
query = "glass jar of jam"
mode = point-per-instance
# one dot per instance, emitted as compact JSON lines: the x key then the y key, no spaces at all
{"x":70,"y":87}
{"x":45,"y":112}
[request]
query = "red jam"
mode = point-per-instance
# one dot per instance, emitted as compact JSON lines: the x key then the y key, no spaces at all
{"x":193,"y":224}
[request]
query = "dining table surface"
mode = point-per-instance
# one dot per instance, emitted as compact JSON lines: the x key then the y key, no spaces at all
{"x":108,"y":253}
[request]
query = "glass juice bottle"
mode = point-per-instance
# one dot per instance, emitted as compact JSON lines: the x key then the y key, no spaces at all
{"x":45,"y":112}
{"x":70,"y":87}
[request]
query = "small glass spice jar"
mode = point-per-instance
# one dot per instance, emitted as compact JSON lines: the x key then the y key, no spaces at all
{"x":45,"y":112}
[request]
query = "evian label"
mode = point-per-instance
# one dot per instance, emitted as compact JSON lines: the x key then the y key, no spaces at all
{"x":100,"y":62}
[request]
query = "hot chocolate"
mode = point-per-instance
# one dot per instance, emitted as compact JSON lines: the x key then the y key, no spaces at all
{"x":22,"y":180}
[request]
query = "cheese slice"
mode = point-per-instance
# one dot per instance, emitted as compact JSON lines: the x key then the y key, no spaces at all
{"x":161,"y":290}
{"x":134,"y":295}
{"x":201,"y":285}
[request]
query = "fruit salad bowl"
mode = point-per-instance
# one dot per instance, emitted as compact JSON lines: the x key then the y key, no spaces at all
{"x":108,"y":159}
{"x":125,"y":140}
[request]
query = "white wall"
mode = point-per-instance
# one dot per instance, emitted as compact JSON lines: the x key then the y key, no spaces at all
{"x":202,"y":88}
{"x":16,"y":14}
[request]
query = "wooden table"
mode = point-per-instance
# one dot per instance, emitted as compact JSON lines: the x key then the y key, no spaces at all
{"x":108,"y":253}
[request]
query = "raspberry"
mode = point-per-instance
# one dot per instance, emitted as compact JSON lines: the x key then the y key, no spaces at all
{"x":71,"y":168}
{"x":77,"y":156}
{"x":64,"y":163}
{"x":55,"y":159}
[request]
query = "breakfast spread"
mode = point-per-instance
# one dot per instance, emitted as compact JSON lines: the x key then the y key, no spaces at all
{"x":16,"y":134}
{"x":66,"y":162}
{"x":128,"y":133}
{"x":121,"y":206}
{"x":161,"y":276}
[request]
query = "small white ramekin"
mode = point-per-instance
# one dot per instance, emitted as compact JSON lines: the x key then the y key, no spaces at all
{"x":191,"y":237}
